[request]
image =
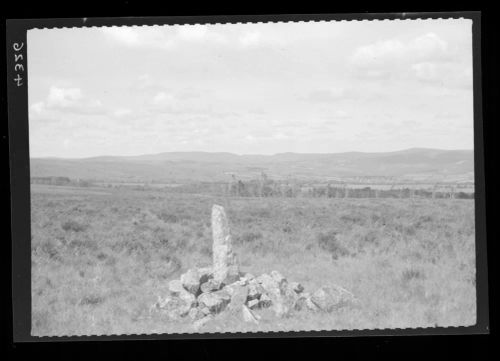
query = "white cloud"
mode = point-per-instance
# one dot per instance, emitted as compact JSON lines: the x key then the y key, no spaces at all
{"x":163,"y":37}
{"x":389,"y":52}
{"x":163,"y":98}
{"x":68,"y":100}
{"x":327,"y":95}
{"x":427,"y":58}
{"x":192,"y":32}
{"x":250,"y":38}
{"x":447,"y":74}
{"x":121,"y":112}
{"x":124,"y":34}
{"x":63,"y":97}
{"x":146,"y":36}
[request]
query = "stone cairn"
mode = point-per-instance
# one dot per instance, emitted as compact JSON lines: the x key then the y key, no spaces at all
{"x":202,"y":293}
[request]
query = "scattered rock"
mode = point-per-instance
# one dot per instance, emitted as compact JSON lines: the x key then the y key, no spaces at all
{"x":223,"y":287}
{"x":191,"y":281}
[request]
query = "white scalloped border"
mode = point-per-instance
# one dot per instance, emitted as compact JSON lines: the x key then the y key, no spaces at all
{"x":170,"y":21}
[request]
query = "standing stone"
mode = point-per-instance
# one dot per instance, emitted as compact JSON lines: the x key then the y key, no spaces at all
{"x":225,"y":268}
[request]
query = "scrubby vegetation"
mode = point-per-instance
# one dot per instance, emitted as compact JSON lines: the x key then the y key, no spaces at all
{"x":102,"y":256}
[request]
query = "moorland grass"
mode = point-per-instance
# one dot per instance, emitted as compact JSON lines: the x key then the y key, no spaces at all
{"x":102,"y":257}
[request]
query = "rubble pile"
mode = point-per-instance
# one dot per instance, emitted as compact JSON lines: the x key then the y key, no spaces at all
{"x":202,"y":293}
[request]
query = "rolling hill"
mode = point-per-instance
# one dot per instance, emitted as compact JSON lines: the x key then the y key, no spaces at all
{"x":416,"y":164}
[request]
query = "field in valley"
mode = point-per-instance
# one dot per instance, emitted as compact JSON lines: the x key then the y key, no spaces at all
{"x":102,"y":256}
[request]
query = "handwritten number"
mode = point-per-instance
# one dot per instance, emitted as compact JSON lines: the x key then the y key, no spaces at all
{"x":18,"y":67}
{"x":18,"y":47}
{"x":18,"y":80}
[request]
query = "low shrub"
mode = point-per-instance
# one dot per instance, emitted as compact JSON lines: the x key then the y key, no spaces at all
{"x":249,"y":237}
{"x":411,"y":274}
{"x":329,"y":242}
{"x":168,"y":217}
{"x":73,"y":226}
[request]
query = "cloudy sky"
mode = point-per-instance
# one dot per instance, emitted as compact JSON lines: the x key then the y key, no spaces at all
{"x":251,"y":88}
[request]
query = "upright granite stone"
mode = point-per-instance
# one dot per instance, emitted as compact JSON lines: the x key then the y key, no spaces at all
{"x":225,"y":267}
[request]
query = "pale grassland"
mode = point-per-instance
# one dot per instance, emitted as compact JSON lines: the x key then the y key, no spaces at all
{"x":101,"y":257}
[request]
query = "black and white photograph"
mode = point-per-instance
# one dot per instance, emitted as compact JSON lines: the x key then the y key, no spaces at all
{"x":252,"y":177}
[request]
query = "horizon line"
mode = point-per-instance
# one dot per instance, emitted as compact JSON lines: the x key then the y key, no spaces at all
{"x":243,"y":154}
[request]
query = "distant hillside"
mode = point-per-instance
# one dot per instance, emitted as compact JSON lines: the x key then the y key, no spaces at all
{"x":415,"y":163}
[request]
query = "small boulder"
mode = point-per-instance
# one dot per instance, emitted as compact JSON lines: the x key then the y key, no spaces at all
{"x":331,"y":298}
{"x":205,"y":310}
{"x":174,"y":307}
{"x":278,"y":277}
{"x":302,"y":302}
{"x":188,"y":298}
{"x":210,"y":285}
{"x":311,"y":305}
{"x":265,"y":301}
{"x":232,"y":275}
{"x":248,"y":276}
{"x":214,"y":301}
{"x":175,"y":287}
{"x":202,"y":321}
{"x":196,"y":314}
{"x":269,"y":284}
{"x":205,"y":274}
{"x":191,"y":281}
{"x":248,"y":315}
{"x":238,"y":296}
{"x":254,"y":290}
{"x":296,"y":287}
{"x":253,"y":304}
